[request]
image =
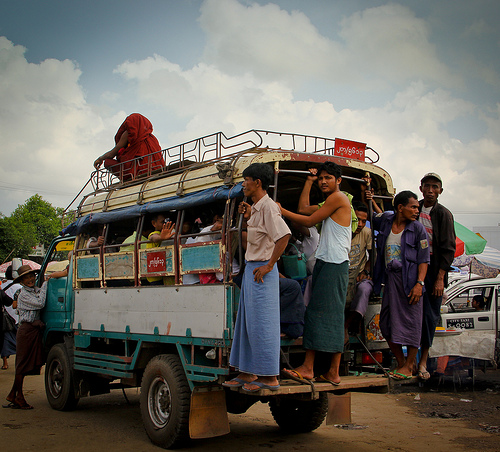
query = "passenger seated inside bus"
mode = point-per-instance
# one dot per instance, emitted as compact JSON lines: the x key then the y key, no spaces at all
{"x":130,"y":240}
{"x":96,"y":239}
{"x":212,"y":232}
{"x":163,"y":229}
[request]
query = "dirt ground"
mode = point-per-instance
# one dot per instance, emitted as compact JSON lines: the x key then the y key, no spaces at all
{"x":447,"y":417}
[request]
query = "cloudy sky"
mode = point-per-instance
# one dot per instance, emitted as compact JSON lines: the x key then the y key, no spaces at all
{"x":418,"y":81}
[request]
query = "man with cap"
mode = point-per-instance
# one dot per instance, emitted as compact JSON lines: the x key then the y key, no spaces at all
{"x":439,"y":224}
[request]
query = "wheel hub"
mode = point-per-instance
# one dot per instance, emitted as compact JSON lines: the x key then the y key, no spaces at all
{"x":56,"y":379}
{"x":159,"y":402}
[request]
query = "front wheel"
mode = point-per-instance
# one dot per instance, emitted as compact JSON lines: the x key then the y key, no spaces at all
{"x":299,"y":416}
{"x":165,"y":399}
{"x":59,"y":382}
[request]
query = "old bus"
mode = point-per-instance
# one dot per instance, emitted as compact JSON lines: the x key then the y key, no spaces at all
{"x":108,"y":326}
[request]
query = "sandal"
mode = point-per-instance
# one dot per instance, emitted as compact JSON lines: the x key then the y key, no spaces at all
{"x":11,"y":405}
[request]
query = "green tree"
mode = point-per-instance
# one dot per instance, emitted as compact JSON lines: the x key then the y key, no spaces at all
{"x":40,"y":218}
{"x":36,"y":221}
{"x":15,"y":239}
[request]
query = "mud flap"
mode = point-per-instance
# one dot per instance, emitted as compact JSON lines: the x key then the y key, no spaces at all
{"x":339,"y":409}
{"x":208,"y":415}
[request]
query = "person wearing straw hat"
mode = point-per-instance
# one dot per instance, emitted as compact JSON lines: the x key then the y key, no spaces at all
{"x":29,"y":356}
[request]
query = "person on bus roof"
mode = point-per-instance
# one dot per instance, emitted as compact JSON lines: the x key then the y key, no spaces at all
{"x":137,"y":151}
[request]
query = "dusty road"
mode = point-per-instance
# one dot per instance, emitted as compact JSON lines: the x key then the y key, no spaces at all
{"x":411,"y":419}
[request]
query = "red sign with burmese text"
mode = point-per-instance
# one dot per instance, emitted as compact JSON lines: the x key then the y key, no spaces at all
{"x":156,"y":262}
{"x":349,"y":149}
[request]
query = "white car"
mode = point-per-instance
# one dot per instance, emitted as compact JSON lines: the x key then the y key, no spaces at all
{"x":461,"y":313}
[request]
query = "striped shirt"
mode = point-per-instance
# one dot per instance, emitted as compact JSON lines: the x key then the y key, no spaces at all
{"x":425,"y":219}
{"x":30,"y":301}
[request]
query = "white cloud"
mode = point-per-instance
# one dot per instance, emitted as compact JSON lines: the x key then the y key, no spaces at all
{"x":49,"y":133}
{"x":478,"y":27}
{"x":264,"y":40}
{"x":409,"y":131}
{"x":256,"y":59}
{"x":389,"y":43}
{"x":376,"y":47}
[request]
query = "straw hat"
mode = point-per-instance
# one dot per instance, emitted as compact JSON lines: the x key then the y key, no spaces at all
{"x":24,"y":270}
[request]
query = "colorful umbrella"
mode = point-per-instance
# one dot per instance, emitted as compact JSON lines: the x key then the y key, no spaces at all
{"x":33,"y":265}
{"x":489,"y":257}
{"x":468,"y":242}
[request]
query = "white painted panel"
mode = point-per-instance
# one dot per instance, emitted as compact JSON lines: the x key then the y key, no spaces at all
{"x":172,"y":309}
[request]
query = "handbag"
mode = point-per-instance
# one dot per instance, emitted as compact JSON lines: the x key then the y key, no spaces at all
{"x":9,"y":323}
{"x":295,"y":264}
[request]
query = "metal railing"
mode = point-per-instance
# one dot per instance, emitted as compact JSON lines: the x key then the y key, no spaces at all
{"x":212,"y":147}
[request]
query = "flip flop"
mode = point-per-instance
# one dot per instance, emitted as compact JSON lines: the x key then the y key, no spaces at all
{"x":12,"y":405}
{"x":423,"y":375}
{"x":323,"y":379}
{"x":260,"y":386}
{"x":297,"y":377}
{"x":239,"y":382}
{"x":399,"y":376}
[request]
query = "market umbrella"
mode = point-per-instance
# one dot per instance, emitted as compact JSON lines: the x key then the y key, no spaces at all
{"x":489,"y":257}
{"x":468,"y":242}
{"x":33,"y":265}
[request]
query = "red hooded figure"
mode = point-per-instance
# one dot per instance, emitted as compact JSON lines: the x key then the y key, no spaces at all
{"x":137,"y":150}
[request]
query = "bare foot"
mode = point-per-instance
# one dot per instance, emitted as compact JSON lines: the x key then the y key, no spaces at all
{"x":22,"y":404}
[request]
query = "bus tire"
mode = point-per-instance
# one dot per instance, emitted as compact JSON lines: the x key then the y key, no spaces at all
{"x":59,"y":380}
{"x":165,"y":402}
{"x":299,"y":416}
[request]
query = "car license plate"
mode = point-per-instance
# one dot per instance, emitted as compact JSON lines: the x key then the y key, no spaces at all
{"x":466,"y":323}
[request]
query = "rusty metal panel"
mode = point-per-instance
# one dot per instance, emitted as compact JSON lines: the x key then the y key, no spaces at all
{"x":119,"y":265}
{"x":208,"y":414}
{"x":339,"y":409}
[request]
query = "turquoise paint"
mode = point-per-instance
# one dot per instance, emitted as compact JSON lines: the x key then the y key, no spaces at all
{"x":88,"y":268}
{"x":199,"y":258}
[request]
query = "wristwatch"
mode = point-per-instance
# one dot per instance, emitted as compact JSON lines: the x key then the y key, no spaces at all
{"x":421,"y":283}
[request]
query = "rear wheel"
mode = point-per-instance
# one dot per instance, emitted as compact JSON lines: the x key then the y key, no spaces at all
{"x":59,"y":381}
{"x":299,"y":416}
{"x":165,"y":400}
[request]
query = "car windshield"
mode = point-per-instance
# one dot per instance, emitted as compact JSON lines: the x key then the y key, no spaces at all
{"x":472,"y":299}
